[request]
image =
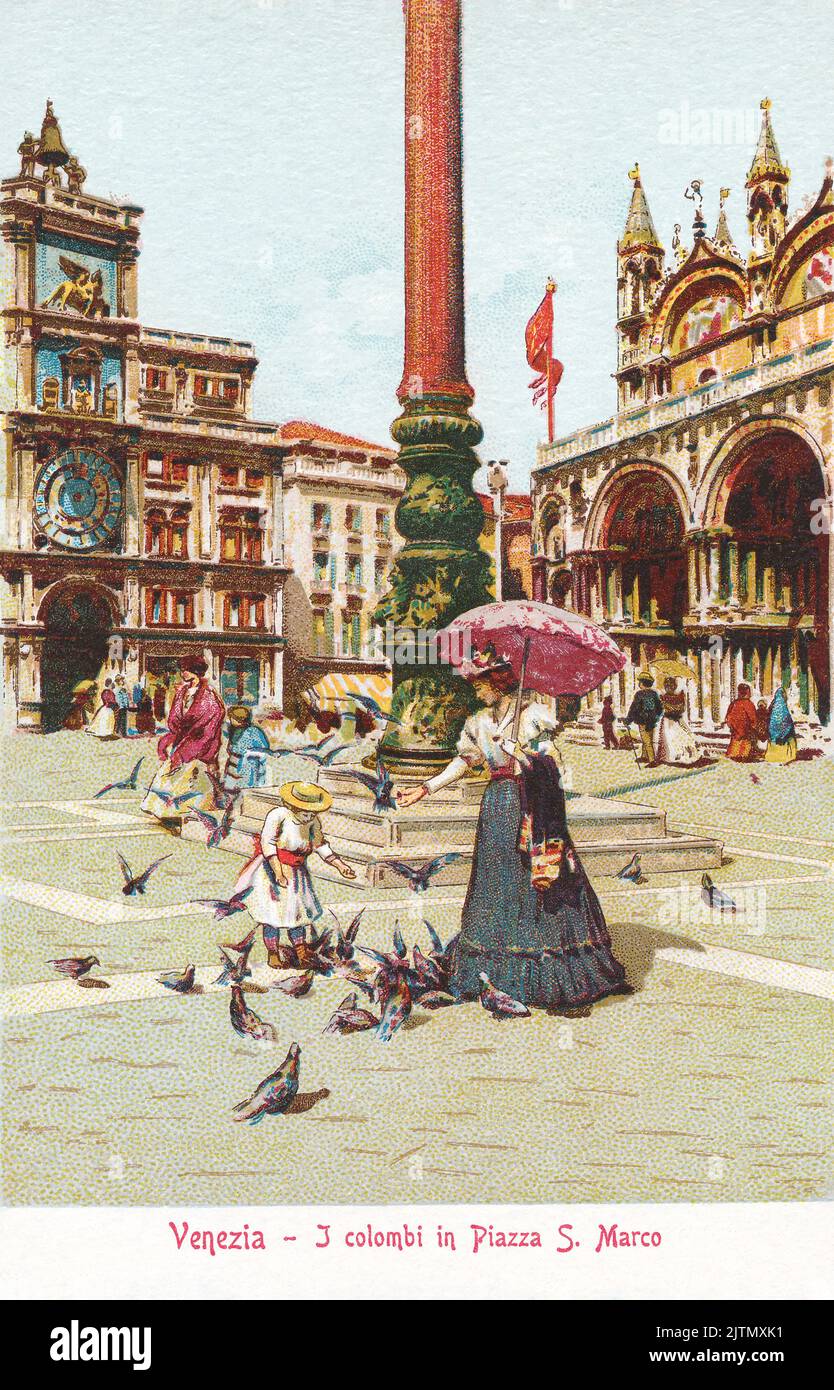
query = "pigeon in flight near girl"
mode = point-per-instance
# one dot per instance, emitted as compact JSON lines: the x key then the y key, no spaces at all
{"x":420,"y":877}
{"x":137,"y":883}
{"x":226,"y":907}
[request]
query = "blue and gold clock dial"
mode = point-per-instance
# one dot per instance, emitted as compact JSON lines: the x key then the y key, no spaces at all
{"x":78,"y":499}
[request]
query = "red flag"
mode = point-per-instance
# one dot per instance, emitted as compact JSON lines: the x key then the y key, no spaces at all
{"x":539,"y":340}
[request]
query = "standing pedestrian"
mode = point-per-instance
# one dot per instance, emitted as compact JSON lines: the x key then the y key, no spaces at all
{"x":122,"y":706}
{"x":742,"y":721}
{"x":247,"y":750}
{"x":645,"y":711}
{"x":191,"y":745}
{"x":609,"y":738}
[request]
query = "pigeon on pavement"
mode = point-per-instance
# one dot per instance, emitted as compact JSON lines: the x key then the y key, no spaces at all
{"x":74,"y":966}
{"x":246,"y":1022}
{"x":295,"y":985}
{"x":275,"y":1094}
{"x":180,"y":981}
{"x":499,"y":1004}
{"x":714,"y":897}
{"x":349,"y":1018}
{"x":632,"y":872}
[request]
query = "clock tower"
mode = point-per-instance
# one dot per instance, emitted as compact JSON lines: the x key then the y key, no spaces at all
{"x":141,"y":517}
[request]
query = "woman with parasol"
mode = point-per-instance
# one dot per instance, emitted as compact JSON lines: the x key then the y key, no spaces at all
{"x":531,"y":920}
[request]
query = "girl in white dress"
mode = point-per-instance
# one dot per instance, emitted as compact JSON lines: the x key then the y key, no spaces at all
{"x":282,"y":890}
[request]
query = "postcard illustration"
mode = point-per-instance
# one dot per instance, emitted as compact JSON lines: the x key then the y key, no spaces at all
{"x":416,"y":578}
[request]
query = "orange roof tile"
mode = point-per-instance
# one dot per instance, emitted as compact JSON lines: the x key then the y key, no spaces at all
{"x":320,"y":434}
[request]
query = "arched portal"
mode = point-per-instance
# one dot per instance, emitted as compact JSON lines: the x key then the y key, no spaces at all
{"x":643,"y":531}
{"x":775,"y":556}
{"x":77,"y":621}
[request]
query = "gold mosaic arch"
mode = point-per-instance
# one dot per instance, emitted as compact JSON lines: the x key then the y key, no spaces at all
{"x":708,"y":501}
{"x":632,"y":468}
{"x":701,"y":276}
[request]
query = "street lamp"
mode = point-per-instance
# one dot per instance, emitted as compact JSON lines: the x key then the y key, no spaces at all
{"x":497,"y":483}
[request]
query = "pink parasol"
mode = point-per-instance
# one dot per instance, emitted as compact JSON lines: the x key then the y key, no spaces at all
{"x":552,"y":651}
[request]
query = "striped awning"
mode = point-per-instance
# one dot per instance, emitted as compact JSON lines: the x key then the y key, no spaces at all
{"x":334,"y":691}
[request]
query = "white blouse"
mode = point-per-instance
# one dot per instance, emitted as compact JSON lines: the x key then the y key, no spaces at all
{"x":487,"y":740}
{"x":281,"y":830}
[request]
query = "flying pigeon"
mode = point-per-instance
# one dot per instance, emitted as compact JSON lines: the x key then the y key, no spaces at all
{"x":180,"y":981}
{"x":129,"y":784}
{"x":275,"y":1093}
{"x":345,"y":939}
{"x":217,"y":829}
{"x":295,"y":985}
{"x":136,"y":883}
{"x":380,"y":784}
{"x":223,"y":796}
{"x":349,"y":1018}
{"x":369,"y":704}
{"x":318,"y":752}
{"x":233,"y":970}
{"x":248,"y":940}
{"x":246,"y":1022}
{"x":499,"y":1004}
{"x":419,"y":877}
{"x":713,"y":897}
{"x":75,"y":966}
{"x":226,"y":907}
{"x":631,"y":872}
{"x":168,"y":799}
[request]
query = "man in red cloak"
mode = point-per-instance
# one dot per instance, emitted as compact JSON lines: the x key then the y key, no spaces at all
{"x":741,"y":721}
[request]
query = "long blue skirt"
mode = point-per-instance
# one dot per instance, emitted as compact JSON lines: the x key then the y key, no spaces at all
{"x":552,"y":959}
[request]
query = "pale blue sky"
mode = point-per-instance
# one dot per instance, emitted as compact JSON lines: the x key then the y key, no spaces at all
{"x":264,"y":140}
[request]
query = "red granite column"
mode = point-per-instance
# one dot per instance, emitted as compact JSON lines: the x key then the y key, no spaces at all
{"x":434,"y":324}
{"x":441,"y":570}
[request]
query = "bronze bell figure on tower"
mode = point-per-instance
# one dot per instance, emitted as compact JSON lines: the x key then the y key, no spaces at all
{"x":52,"y":152}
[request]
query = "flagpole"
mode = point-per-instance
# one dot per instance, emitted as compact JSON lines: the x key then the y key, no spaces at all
{"x":551,"y":288}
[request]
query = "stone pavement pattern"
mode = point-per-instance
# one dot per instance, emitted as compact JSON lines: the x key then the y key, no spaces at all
{"x":711,"y":1082}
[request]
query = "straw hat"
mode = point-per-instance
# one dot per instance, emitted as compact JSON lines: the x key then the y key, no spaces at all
{"x":239,"y":714}
{"x":306,"y":796}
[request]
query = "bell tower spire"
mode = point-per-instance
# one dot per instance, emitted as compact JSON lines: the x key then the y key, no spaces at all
{"x":640,"y":269}
{"x":767,"y":192}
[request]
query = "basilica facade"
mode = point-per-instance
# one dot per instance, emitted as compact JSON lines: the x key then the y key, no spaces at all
{"x":142,"y":505}
{"x":695,"y":522}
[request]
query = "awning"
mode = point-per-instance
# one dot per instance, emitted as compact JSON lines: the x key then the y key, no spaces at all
{"x":334,"y":692}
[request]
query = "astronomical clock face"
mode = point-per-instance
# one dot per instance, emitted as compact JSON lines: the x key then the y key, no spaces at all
{"x":78,"y":499}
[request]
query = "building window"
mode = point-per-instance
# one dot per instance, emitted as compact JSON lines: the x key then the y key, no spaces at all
{"x":241,"y":537}
{"x":380,"y":573}
{"x":244,"y":610}
{"x":354,"y":572}
{"x":254,"y":479}
{"x":352,"y":634}
{"x":164,"y":607}
{"x":156,"y":379}
{"x":216,"y":388}
{"x":383,"y":524}
{"x":321,"y":568}
{"x":229,"y":475}
{"x":167,"y":535}
{"x":155,"y":525}
{"x":166,"y":468}
{"x":320,"y":517}
{"x":353,"y":517}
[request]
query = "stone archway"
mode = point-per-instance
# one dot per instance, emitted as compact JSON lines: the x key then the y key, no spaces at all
{"x":77,"y":621}
{"x":774,"y":564}
{"x":641,"y":528}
